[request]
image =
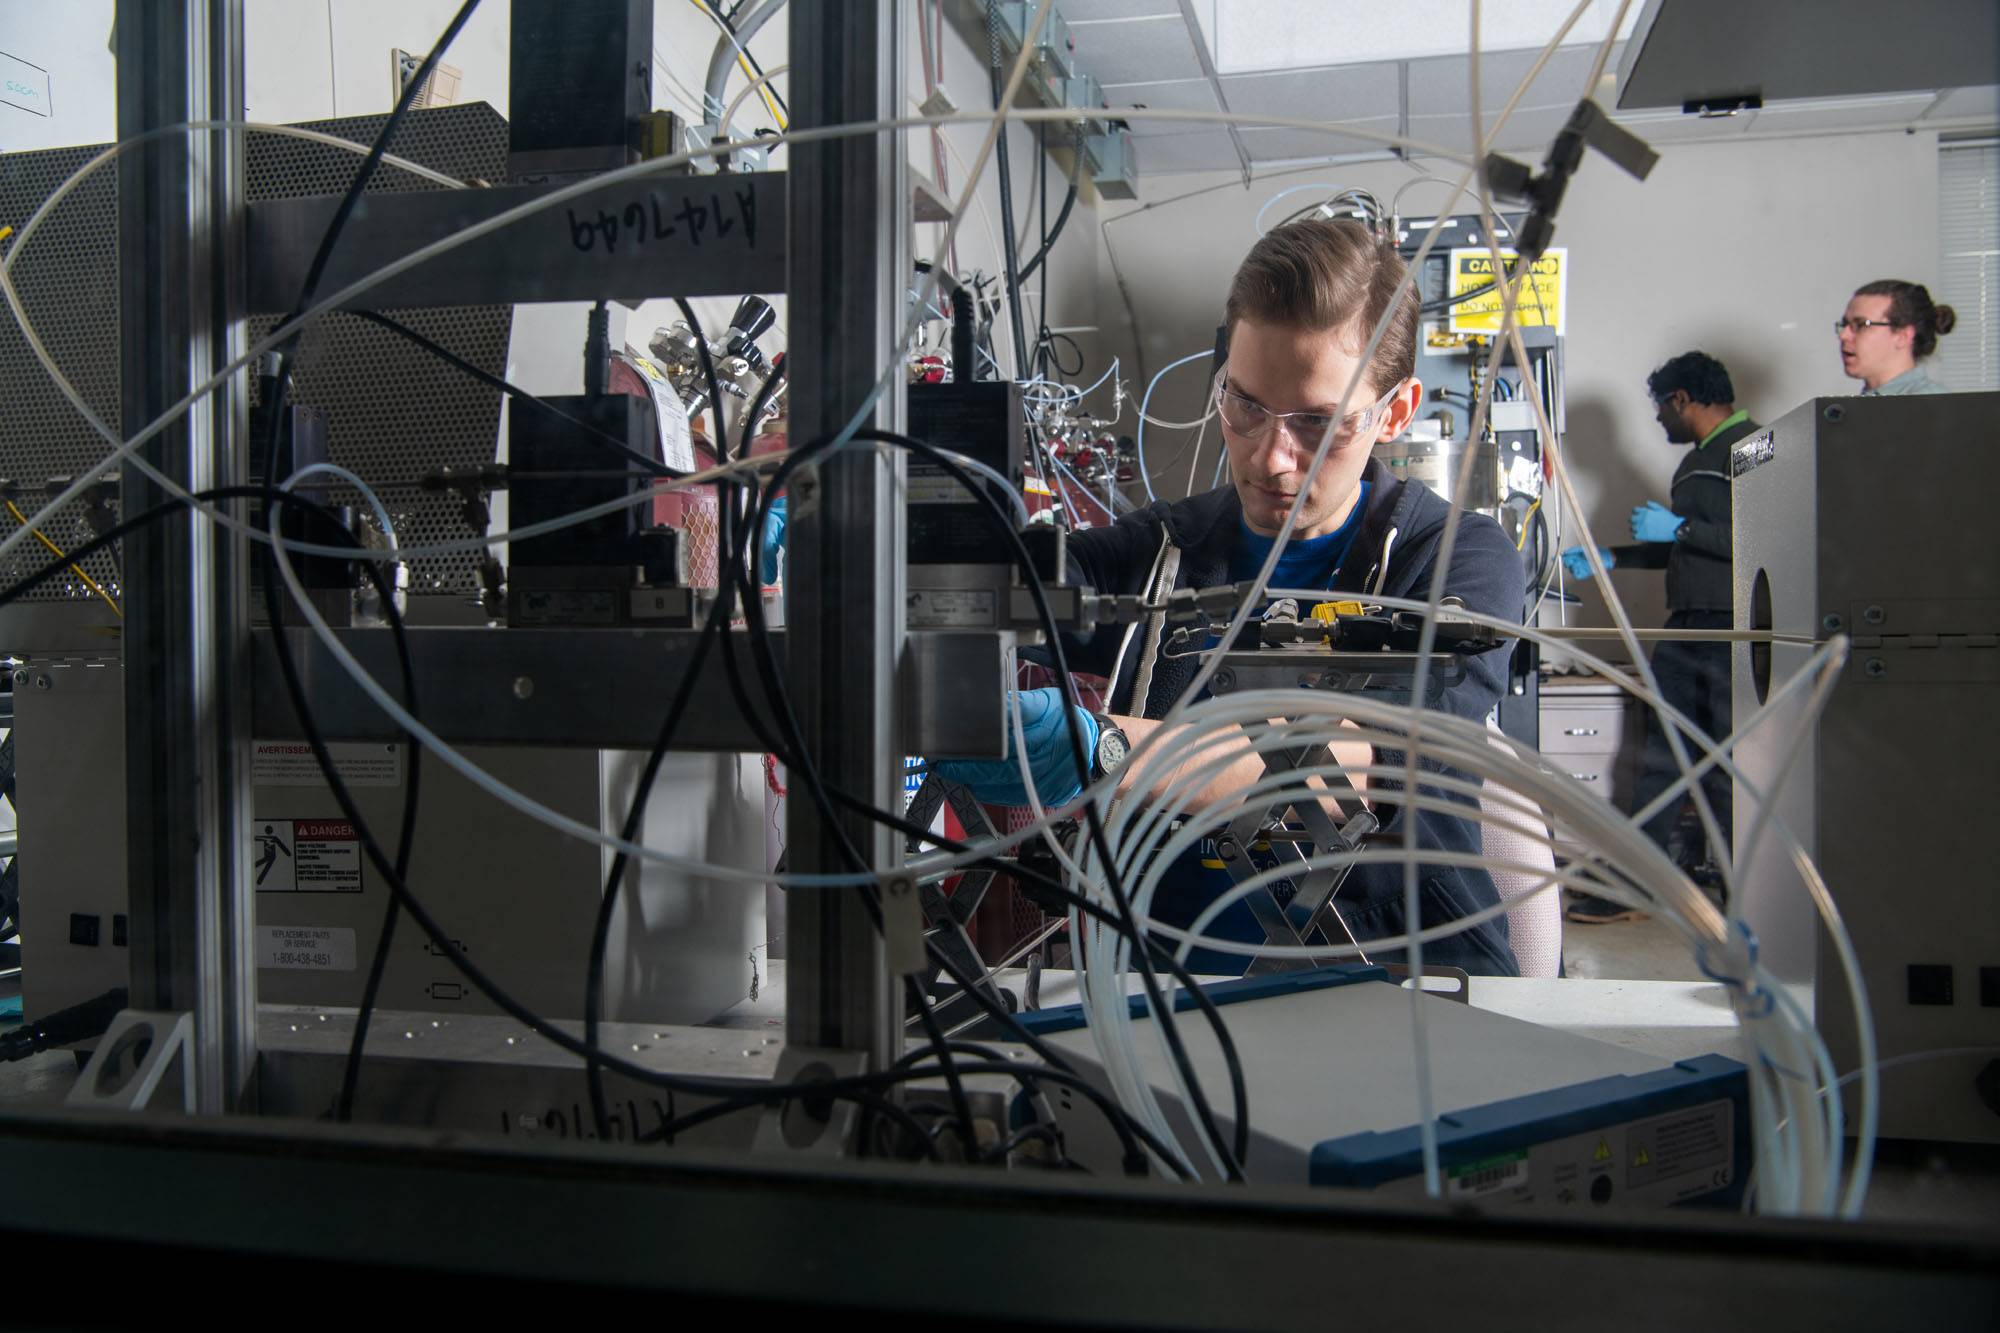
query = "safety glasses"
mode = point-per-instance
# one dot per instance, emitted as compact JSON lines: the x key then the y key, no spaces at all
{"x":1252,"y":420}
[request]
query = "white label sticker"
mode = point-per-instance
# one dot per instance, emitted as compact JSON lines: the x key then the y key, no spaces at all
{"x":306,"y":948}
{"x":676,"y":439}
{"x":952,"y":608}
{"x":930,"y":485}
{"x":359,"y":763}
{"x":305,"y":856}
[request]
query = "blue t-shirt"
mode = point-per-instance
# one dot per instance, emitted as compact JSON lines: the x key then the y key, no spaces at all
{"x":1199,"y":877}
{"x":1308,"y":562}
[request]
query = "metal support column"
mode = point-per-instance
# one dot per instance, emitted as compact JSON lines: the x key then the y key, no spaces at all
{"x":846,"y":270}
{"x":180,"y":212}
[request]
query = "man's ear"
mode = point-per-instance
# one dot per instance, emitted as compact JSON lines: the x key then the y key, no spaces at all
{"x":1402,"y":410}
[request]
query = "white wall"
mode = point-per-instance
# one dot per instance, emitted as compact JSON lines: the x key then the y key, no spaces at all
{"x":72,"y":42}
{"x":1746,"y":250}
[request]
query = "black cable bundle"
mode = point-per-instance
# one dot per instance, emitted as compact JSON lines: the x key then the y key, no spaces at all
{"x":1011,"y":255}
{"x":740,"y":522}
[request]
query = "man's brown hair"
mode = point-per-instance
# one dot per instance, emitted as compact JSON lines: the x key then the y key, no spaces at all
{"x":1330,"y":274}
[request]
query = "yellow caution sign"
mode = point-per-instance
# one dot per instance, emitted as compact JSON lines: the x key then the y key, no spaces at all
{"x":1538,"y":300}
{"x":1640,"y":1158}
{"x":1603,"y":1153}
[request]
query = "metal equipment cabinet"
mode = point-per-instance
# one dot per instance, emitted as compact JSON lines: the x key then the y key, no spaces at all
{"x":1584,"y":730}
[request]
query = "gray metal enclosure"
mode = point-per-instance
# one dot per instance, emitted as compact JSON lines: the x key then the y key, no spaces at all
{"x":1840,"y":504}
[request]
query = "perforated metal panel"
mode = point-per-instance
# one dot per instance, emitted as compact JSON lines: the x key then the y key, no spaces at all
{"x":394,"y":411}
{"x":68,"y":281}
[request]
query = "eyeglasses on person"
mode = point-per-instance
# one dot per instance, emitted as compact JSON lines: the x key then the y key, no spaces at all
{"x":1251,"y":419}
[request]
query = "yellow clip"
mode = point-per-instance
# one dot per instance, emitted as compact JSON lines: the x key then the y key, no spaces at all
{"x":5,"y":232}
{"x":1328,"y":612}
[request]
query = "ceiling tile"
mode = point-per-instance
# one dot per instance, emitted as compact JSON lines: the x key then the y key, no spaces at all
{"x":1440,"y":86}
{"x":1658,"y":127}
{"x":1803,"y":117}
{"x":1528,"y":130}
{"x":1353,"y":92}
{"x":1969,"y":103}
{"x":1284,"y":145}
{"x":1179,"y":95}
{"x":1091,"y":11}
{"x":1140,"y":51}
{"x":1204,"y":150}
{"x":1294,"y":34}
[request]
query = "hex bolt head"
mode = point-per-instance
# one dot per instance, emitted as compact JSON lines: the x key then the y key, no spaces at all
{"x":1874,"y":615}
{"x":20,"y":678}
{"x":1876,"y":667}
{"x":1834,"y":412}
{"x":1225,"y":679}
{"x":42,"y":682}
{"x":1832,"y":623}
{"x":524,"y":687}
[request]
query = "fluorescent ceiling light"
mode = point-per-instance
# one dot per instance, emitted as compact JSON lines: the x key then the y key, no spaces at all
{"x":1256,"y":36}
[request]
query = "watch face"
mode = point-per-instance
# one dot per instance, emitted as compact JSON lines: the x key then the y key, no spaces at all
{"x":1112,"y":747}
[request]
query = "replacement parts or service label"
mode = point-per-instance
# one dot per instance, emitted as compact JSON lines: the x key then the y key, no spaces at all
{"x":306,"y":948}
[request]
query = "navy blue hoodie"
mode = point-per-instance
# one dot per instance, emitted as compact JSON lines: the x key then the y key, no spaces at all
{"x":1401,"y":527}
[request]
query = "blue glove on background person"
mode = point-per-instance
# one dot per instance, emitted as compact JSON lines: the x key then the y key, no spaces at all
{"x":1578,"y":563}
{"x":772,"y":541}
{"x":998,"y":782}
{"x":1654,"y":522}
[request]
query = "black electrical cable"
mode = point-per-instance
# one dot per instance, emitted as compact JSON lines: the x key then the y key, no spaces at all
{"x":1092,"y":818}
{"x":1049,"y":340}
{"x":446,"y":946}
{"x":348,"y":202}
{"x":1038,"y":594}
{"x":717,"y":624}
{"x":732,"y":581}
{"x":350,"y":1077}
{"x":733,"y":574}
{"x":1140,"y":1134}
{"x":272,"y":441}
{"x":1141,"y":941}
{"x":1010,"y":255}
{"x":1044,"y":354}
{"x":767,"y":666}
{"x":1050,"y":234}
{"x":519,"y":395}
{"x":593,"y":996}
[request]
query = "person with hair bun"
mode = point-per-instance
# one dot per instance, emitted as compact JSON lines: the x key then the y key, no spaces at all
{"x":1888,"y":327}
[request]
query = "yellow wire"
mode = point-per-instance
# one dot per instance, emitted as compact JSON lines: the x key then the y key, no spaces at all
{"x":88,"y":581}
{"x":1526,"y":519}
{"x":742,"y":63}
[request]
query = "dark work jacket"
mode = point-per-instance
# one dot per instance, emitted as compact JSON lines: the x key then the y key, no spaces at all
{"x":1402,"y":526}
{"x":1697,"y":562}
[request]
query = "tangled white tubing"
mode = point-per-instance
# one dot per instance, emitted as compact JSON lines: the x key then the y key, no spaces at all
{"x":1800,"y":1167}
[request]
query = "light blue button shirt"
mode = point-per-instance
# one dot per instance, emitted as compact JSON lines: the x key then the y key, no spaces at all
{"x":1910,"y":381}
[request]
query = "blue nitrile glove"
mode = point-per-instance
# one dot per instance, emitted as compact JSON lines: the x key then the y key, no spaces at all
{"x":773,"y":541}
{"x":1578,"y":563}
{"x":1654,"y":522}
{"x":998,"y":781}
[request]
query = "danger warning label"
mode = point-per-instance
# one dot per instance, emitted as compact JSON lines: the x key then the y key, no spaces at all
{"x":305,"y":856}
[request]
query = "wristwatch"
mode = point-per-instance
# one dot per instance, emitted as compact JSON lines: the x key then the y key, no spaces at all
{"x":1112,"y":747}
